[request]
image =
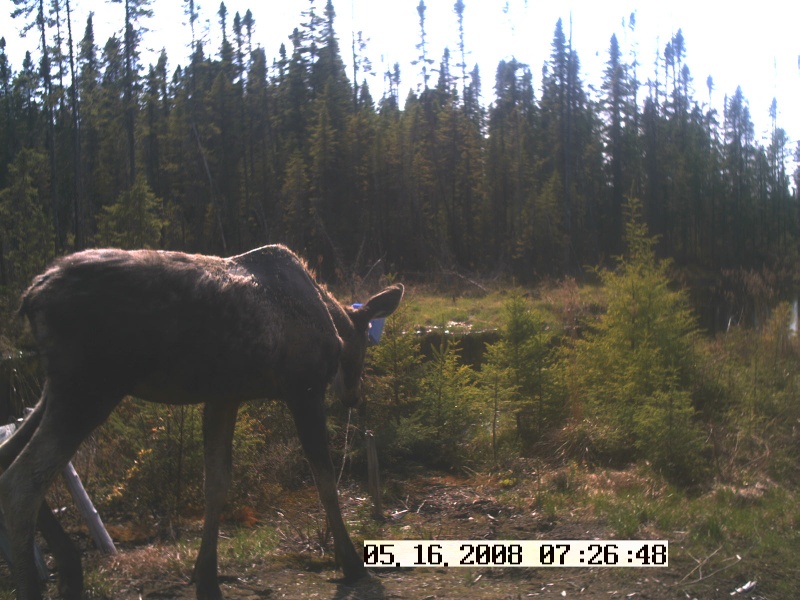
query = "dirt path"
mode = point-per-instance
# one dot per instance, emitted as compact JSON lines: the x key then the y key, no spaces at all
{"x":428,"y":584}
{"x":431,"y":508}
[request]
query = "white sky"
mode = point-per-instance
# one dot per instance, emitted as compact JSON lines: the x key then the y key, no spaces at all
{"x":755,"y":45}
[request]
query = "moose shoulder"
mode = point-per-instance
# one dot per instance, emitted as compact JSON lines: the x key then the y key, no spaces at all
{"x":179,"y":328}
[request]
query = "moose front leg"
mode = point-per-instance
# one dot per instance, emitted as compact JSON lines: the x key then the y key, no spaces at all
{"x":219,"y":423}
{"x":309,"y":418}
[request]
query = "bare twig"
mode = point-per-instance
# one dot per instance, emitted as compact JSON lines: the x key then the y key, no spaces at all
{"x":346,"y":443}
{"x":468,"y":280}
{"x":733,"y":560}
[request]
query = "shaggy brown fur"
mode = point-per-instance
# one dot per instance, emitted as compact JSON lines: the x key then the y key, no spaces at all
{"x":178,"y":328}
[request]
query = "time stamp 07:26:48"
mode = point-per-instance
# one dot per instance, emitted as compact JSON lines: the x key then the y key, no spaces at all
{"x":516,"y":553}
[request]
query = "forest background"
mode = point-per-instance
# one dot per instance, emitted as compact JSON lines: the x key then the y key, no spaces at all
{"x":629,"y":186}
{"x":234,"y":151}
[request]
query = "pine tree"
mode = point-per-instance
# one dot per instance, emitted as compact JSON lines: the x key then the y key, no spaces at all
{"x":568,"y":129}
{"x":738,"y":164}
{"x":423,"y":59}
{"x":191,"y":11}
{"x":459,"y":8}
{"x":79,"y":191}
{"x":8,"y":118}
{"x":25,"y":8}
{"x":154,"y":130}
{"x":26,"y":232}
{"x":87,"y":85}
{"x":519,"y":371}
{"x":135,"y":10}
{"x":296,"y":201}
{"x":614,"y":86}
{"x":134,"y":220}
{"x":513,"y":163}
{"x":261,"y":145}
{"x":633,"y":373}
{"x":107,"y":153}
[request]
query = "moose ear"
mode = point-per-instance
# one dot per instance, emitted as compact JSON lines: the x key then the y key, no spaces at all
{"x":383,"y":304}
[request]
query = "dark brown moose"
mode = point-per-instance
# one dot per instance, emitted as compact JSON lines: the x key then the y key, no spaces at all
{"x":179,"y":329}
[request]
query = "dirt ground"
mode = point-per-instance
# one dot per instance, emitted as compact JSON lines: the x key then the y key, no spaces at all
{"x":431,"y":508}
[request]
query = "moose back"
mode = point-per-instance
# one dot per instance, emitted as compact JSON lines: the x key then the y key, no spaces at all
{"x":171,"y":327}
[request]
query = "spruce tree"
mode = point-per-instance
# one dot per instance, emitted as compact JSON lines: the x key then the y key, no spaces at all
{"x":633,"y":373}
{"x":135,"y":11}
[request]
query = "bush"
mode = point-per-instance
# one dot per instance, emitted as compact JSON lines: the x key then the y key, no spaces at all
{"x":633,"y":372}
{"x":147,"y":460}
{"x":669,"y":437}
{"x":517,"y":386}
{"x":150,"y":458}
{"x":442,"y":427}
{"x":422,"y":413}
{"x":757,"y":373}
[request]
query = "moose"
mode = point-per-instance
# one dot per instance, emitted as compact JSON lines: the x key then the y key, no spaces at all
{"x":179,"y":328}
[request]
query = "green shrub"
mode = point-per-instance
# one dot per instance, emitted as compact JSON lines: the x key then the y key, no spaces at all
{"x":669,"y":437}
{"x":421,"y":413}
{"x":393,"y":365}
{"x":633,"y":371}
{"x":517,"y":387}
{"x":757,"y":372}
{"x":147,"y":459}
{"x":441,"y":429}
{"x":150,"y":458}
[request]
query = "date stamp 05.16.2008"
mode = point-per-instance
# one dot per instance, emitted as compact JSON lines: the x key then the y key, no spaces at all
{"x":516,"y":553}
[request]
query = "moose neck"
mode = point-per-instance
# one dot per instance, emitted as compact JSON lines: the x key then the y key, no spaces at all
{"x":341,"y":320}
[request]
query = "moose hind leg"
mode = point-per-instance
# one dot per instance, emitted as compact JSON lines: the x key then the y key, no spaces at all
{"x":219,"y":423}
{"x":10,"y":448}
{"x":309,"y":419}
{"x":66,"y":554}
{"x":70,"y":575}
{"x":23,"y":485}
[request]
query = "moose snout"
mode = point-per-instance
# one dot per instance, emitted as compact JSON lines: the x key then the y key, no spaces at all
{"x":348,"y":395}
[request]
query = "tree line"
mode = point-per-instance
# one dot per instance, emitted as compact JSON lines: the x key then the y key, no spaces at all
{"x":233,"y":151}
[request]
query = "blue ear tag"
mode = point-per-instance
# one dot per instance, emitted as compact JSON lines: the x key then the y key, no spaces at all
{"x":375,"y":328}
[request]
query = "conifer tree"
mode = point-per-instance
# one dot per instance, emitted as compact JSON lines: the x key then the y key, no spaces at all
{"x":78,"y":192}
{"x":614,"y":86}
{"x":459,"y":8}
{"x":135,"y":11}
{"x":423,"y":59}
{"x":87,"y":84}
{"x":568,"y":129}
{"x":26,"y":232}
{"x":632,"y":372}
{"x":134,"y":220}
{"x":260,"y":142}
{"x":26,"y":8}
{"x":739,"y":134}
{"x":8,"y":118}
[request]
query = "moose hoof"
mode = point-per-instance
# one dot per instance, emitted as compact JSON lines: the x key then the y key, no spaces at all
{"x":208,"y":589}
{"x":69,"y":591}
{"x":354,"y":572}
{"x":209,"y":594}
{"x":70,"y":581}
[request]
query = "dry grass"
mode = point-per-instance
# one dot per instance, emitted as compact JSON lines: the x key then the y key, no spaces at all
{"x":719,"y":540}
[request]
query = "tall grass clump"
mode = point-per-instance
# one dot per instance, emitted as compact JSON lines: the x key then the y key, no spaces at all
{"x":758,"y":375}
